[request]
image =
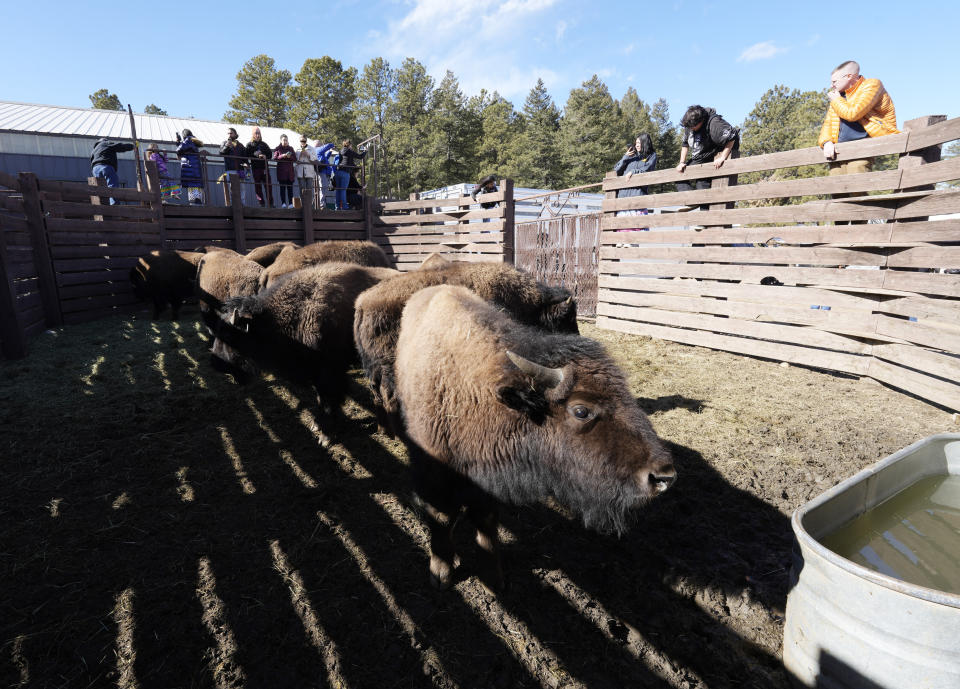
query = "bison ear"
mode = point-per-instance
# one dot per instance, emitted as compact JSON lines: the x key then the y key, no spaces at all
{"x":526,"y":400}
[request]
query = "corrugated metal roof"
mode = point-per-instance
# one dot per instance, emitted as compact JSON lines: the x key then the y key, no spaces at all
{"x":62,"y":121}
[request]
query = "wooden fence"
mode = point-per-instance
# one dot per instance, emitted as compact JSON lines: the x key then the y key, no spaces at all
{"x":859,"y":284}
{"x":409,"y":231}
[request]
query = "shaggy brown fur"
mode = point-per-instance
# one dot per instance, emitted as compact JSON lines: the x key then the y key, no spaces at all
{"x":220,"y":275}
{"x":480,"y":429}
{"x":165,"y":277}
{"x":301,"y":327}
{"x":434,"y":261}
{"x":377,"y":321}
{"x":361,"y":253}
{"x":267,"y":254}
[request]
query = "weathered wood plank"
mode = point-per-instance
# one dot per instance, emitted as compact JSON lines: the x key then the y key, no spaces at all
{"x":805,"y":356}
{"x":87,"y":209}
{"x":814,"y":186}
{"x":941,"y":392}
{"x":733,"y":326}
{"x":813,"y":255}
{"x":41,"y":250}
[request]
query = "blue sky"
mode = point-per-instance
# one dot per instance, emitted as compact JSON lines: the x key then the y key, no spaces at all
{"x":184,"y":57}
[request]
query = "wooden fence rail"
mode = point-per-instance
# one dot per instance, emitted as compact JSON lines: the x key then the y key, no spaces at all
{"x":865,"y":282}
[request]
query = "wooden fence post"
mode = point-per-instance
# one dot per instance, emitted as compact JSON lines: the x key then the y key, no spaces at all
{"x":509,"y":220}
{"x":306,"y":197}
{"x":236,"y":205}
{"x":368,"y":202}
{"x":156,"y":202}
{"x":97,"y":200}
{"x":13,"y":340}
{"x":41,"y":250}
{"x":915,"y":159}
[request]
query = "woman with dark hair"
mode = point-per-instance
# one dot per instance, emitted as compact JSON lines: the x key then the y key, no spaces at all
{"x":640,"y":157}
{"x":285,"y":157}
{"x":487,"y":185}
{"x":191,"y":174}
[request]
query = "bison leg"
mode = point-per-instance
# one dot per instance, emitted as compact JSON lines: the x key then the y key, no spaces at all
{"x":487,"y":523}
{"x":441,"y":547}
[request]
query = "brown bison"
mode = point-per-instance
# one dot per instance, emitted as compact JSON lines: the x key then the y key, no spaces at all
{"x":361,"y":253}
{"x":499,"y":411}
{"x":300,"y":327}
{"x":165,"y":278}
{"x":267,"y":254}
{"x":220,"y":275}
{"x":377,"y":321}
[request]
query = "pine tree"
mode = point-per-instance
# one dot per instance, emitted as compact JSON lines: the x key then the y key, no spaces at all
{"x":499,"y":141}
{"x":322,"y":100}
{"x":666,"y":138}
{"x":538,"y":161}
{"x":783,"y":120}
{"x":153,"y":109}
{"x":636,"y":117}
{"x":451,"y":139}
{"x":259,"y":98}
{"x":407,"y":134}
{"x":376,"y":107}
{"x":592,"y":134}
{"x":104,"y":100}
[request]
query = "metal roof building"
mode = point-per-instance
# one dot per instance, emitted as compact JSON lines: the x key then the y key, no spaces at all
{"x":55,"y":142}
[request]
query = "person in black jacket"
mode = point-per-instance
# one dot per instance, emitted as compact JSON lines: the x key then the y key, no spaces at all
{"x":487,"y":185}
{"x":346,"y":167}
{"x":234,"y":161}
{"x":706,"y":137}
{"x":103,"y":161}
{"x":259,"y":153}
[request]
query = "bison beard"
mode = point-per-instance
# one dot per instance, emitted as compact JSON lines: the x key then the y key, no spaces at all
{"x":485,"y":423}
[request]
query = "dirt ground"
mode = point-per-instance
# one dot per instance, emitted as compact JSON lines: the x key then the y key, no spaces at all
{"x":161,"y":526}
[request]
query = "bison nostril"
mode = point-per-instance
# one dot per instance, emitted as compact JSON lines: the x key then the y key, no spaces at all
{"x":662,"y":478}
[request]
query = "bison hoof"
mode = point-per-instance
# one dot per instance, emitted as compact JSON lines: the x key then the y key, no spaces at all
{"x":440,"y":574}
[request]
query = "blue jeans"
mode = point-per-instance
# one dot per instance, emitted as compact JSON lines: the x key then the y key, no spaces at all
{"x":342,"y":179}
{"x":108,"y":173}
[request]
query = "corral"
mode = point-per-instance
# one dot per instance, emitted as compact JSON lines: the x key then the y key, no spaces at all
{"x":166,"y":527}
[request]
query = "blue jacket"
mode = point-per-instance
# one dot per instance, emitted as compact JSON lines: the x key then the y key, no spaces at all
{"x":190,"y":163}
{"x":635,"y":164}
{"x":329,"y":165}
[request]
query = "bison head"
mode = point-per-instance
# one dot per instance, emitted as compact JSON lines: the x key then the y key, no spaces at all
{"x":595,"y":448}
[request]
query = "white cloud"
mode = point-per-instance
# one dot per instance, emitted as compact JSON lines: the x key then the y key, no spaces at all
{"x":760,"y":51}
{"x":629,"y":48}
{"x":434,"y":31}
{"x":813,"y":40}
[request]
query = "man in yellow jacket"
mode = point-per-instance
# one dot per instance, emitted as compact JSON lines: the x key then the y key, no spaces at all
{"x":858,"y":108}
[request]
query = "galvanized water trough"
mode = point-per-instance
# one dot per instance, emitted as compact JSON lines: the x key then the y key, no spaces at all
{"x":852,"y":627}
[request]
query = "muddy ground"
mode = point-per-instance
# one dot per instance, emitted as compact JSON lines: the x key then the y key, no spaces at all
{"x":161,"y":526}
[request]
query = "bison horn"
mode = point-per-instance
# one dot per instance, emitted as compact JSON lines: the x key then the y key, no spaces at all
{"x":548,"y":377}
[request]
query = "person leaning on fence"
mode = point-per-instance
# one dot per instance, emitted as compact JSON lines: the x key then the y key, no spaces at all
{"x":169,"y":188}
{"x":103,"y":161}
{"x":259,"y":152}
{"x":346,"y":167}
{"x":191,"y":172}
{"x":639,"y":158}
{"x":306,"y":170}
{"x":285,"y":155}
{"x":234,"y":162}
{"x":487,"y":185}
{"x":706,"y":137}
{"x":859,"y":108}
{"x":326,"y":171}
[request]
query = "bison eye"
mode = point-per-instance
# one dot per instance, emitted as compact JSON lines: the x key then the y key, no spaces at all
{"x":580,"y":412}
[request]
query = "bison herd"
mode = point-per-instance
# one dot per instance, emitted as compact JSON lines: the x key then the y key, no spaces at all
{"x":478,"y":368}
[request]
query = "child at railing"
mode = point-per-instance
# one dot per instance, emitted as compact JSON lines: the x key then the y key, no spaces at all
{"x":191,"y":174}
{"x":169,"y":187}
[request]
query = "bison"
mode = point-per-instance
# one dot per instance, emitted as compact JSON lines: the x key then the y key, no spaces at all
{"x":377,"y":320}
{"x":166,"y":278}
{"x":265,"y":255}
{"x":220,"y":275}
{"x":361,"y":253}
{"x":497,"y":411}
{"x":300,"y":327}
